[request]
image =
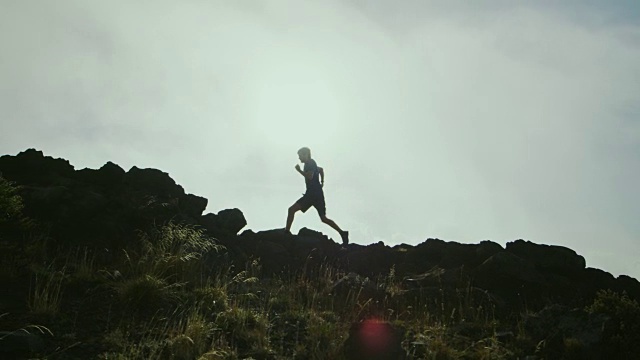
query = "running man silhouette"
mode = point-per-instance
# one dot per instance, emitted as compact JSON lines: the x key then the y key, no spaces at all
{"x":314,"y":196}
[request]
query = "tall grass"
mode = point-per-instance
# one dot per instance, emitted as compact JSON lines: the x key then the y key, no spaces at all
{"x":82,"y":261}
{"x":171,"y":252}
{"x":169,"y":304}
{"x":46,"y":290}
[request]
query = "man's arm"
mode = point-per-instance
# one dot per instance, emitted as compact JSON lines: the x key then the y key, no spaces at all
{"x":308,"y":174}
{"x":321,"y":171}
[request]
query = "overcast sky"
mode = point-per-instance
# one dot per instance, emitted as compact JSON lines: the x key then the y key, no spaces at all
{"x":495,"y":120}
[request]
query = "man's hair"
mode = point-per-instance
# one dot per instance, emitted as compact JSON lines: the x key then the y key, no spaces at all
{"x":305,"y":151}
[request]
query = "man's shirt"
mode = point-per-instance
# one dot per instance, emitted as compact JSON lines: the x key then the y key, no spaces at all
{"x":313,"y":184}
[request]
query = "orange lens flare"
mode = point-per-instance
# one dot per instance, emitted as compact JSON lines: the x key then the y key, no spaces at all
{"x":375,"y":336}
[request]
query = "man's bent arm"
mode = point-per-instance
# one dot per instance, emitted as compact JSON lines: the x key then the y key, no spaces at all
{"x":321,"y":171}
{"x":308,"y":174}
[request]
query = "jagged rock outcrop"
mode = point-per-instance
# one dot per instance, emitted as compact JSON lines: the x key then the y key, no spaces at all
{"x":558,"y":259}
{"x":105,"y":208}
{"x":102,"y":208}
{"x":226,"y":222}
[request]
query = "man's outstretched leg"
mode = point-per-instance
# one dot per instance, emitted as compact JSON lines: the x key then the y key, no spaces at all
{"x":343,"y":234}
{"x":293,"y":209}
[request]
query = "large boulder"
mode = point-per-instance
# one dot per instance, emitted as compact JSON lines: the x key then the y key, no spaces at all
{"x":548,"y":257}
{"x":314,"y":247}
{"x":152,"y":181}
{"x":227,"y":222}
{"x":232,"y":220}
{"x":193,"y":205}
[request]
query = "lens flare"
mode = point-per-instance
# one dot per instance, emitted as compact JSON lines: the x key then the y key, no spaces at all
{"x":375,"y":338}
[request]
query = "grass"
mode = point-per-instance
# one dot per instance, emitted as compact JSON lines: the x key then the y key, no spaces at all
{"x":168,"y":297}
{"x":172,"y":252}
{"x":45,"y":295}
{"x":159,"y":301}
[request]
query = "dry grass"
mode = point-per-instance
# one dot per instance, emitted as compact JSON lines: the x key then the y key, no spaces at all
{"x":167,"y":306}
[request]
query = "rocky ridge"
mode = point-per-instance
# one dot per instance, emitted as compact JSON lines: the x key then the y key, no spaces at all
{"x":104,"y":208}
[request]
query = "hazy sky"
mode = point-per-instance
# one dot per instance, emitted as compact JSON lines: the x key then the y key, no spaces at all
{"x":495,"y":120}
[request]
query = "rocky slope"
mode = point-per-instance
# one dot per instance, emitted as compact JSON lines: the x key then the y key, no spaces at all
{"x":104,"y":209}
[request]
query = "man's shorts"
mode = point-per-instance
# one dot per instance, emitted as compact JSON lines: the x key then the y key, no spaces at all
{"x":316,"y":200}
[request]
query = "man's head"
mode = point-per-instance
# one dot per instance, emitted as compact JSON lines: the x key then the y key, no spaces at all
{"x":304,"y":154}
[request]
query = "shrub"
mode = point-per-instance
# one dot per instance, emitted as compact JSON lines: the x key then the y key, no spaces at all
{"x":211,"y":300}
{"x":10,"y":202}
{"x":282,"y":300}
{"x":243,"y":329}
{"x":324,"y":335}
{"x":200,"y":331}
{"x":171,"y":252}
{"x":146,"y":294}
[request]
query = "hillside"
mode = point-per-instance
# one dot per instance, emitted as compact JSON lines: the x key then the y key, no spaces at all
{"x":116,"y":264}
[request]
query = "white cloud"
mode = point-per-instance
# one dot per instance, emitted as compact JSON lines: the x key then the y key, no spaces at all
{"x":464,"y":122}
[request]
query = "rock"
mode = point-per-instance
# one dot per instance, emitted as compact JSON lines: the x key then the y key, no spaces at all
{"x":31,"y":167}
{"x":447,"y":254}
{"x":97,"y":208}
{"x":311,"y":237}
{"x":374,"y":340}
{"x":193,"y":205}
{"x":507,"y":266}
{"x":210,"y":222}
{"x":231,"y":220}
{"x":308,"y":239}
{"x":591,"y":280}
{"x":370,"y":260}
{"x":630,"y":285}
{"x":109,"y":176}
{"x":227,"y":222}
{"x":548,"y":257}
{"x":486,"y":249}
{"x":152,"y":181}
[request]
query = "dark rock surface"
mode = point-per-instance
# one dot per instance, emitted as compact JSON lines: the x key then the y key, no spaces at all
{"x":548,"y":257}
